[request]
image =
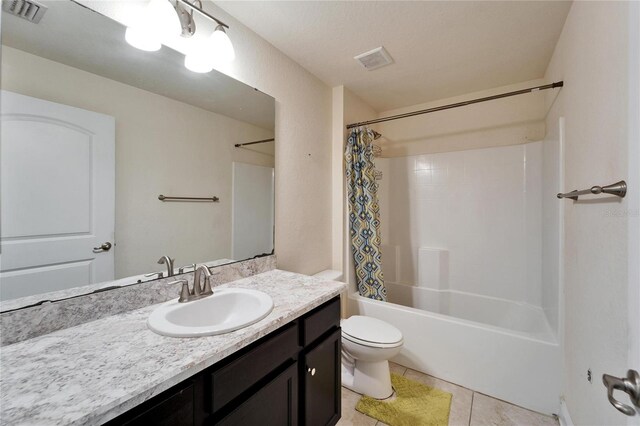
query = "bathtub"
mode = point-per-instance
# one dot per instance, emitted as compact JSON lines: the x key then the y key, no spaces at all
{"x":494,"y":346}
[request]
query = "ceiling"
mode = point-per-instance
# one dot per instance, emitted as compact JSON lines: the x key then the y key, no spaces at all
{"x":440,"y":48}
{"x":81,"y":38}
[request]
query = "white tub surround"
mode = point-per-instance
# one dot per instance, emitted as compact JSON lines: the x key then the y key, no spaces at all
{"x":93,"y":372}
{"x":469,"y":221}
{"x":470,"y":272}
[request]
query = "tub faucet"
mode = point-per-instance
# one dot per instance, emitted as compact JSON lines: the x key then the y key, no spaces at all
{"x":198,"y":292}
{"x":166,"y":260}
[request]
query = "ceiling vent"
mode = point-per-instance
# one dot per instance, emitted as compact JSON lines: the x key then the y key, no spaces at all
{"x":26,"y":9}
{"x":374,"y":59}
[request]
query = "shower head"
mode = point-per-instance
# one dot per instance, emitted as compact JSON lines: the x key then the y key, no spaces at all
{"x":376,"y":135}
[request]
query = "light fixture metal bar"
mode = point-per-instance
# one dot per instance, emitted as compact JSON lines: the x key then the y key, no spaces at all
{"x":202,"y":12}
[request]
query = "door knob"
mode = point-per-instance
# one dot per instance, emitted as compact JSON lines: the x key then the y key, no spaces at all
{"x":311,"y":371}
{"x":104,"y":247}
{"x":630,"y":385}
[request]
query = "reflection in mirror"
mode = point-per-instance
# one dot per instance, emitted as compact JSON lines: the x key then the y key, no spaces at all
{"x":94,"y":131}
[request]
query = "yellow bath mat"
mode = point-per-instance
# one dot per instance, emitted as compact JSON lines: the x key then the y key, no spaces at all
{"x":414,"y":404}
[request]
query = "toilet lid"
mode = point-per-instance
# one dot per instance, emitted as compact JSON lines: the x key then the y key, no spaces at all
{"x":371,"y":329}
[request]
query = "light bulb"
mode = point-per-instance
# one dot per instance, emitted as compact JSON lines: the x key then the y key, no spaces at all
{"x":141,"y":39}
{"x":158,"y":22}
{"x":221,"y":46}
{"x":163,"y":19}
{"x":199,"y":58}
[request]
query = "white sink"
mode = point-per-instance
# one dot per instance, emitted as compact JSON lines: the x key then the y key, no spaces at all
{"x":226,"y":310}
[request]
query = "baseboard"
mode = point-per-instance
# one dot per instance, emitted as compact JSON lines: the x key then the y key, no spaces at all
{"x":563,"y":417}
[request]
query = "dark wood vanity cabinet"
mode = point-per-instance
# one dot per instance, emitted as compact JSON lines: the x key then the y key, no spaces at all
{"x":289,"y":377}
{"x":275,"y":403}
{"x":321,"y":378}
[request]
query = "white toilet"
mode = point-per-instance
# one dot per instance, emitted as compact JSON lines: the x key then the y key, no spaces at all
{"x":367,"y":345}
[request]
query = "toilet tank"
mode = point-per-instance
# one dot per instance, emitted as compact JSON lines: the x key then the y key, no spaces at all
{"x":329,"y":274}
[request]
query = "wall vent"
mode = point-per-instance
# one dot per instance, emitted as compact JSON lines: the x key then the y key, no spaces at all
{"x":374,"y":59}
{"x":30,"y":10}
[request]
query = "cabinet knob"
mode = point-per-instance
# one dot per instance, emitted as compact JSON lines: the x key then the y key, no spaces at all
{"x":311,"y":371}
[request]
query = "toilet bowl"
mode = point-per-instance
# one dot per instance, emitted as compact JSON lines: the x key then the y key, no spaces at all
{"x":367,"y":345}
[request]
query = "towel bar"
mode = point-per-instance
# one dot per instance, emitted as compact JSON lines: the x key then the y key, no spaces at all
{"x":619,"y":189}
{"x":167,"y":198}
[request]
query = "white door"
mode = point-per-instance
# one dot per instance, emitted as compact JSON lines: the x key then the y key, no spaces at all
{"x":57,"y":185}
{"x":624,"y":377}
{"x":252,"y":212}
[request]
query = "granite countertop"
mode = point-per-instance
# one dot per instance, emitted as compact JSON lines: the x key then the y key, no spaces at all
{"x":93,"y":372}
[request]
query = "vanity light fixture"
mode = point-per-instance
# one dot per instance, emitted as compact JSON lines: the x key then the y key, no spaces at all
{"x":164,"y":19}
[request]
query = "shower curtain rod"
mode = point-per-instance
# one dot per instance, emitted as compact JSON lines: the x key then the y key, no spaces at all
{"x":238,"y":145}
{"x":457,"y":104}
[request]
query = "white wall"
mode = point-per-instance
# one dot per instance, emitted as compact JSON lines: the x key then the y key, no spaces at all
{"x":592,"y":59}
{"x":197,"y":149}
{"x":634,"y":197}
{"x":481,"y":206}
{"x":252,"y":212}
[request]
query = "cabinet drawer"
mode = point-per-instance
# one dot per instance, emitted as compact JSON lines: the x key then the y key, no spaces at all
{"x":240,"y":374}
{"x":173,"y":409}
{"x":320,"y":320}
{"x":275,"y":404}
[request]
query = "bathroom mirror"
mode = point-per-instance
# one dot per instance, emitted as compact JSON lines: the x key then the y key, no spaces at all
{"x":94,"y":133}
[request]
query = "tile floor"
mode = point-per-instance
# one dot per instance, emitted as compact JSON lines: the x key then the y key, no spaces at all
{"x":468,"y":408}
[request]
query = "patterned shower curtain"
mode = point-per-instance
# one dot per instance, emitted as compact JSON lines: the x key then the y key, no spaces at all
{"x":364,"y":214}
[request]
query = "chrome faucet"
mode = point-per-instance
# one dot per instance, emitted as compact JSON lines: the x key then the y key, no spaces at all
{"x":166,"y":260}
{"x":198,"y":291}
{"x":182,"y":269}
{"x":155,"y":274}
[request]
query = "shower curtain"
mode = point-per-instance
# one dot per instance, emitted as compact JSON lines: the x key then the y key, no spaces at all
{"x":364,"y":214}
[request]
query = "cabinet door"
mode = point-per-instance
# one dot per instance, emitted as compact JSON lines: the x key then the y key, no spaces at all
{"x":321,"y":381}
{"x":275,"y":404}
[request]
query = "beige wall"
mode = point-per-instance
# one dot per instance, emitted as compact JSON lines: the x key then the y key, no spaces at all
{"x":162,"y":147}
{"x":303,"y":147}
{"x":592,"y":58}
{"x":337,"y":179}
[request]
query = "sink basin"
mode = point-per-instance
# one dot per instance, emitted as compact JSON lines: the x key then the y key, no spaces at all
{"x":226,"y":310}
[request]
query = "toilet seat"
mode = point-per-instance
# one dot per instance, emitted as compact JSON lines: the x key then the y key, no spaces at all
{"x":371,"y":332}
{"x":371,"y":344}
